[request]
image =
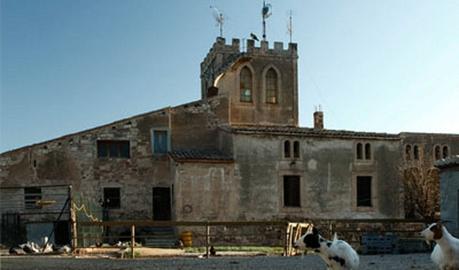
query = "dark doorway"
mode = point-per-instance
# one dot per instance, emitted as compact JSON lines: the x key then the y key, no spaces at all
{"x":292,"y":191}
{"x":11,"y":229}
{"x":364,"y":191}
{"x":62,"y":232}
{"x":161,"y":203}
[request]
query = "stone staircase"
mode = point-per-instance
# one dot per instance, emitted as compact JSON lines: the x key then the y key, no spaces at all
{"x":160,"y":237}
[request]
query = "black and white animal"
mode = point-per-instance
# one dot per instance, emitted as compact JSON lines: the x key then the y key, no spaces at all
{"x":446,"y":252}
{"x":337,"y":254}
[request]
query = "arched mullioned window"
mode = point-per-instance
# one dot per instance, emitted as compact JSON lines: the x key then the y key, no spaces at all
{"x":287,"y":149}
{"x":245,"y":85}
{"x":416,"y":152}
{"x":296,"y":149}
{"x":367,"y":151}
{"x":359,"y":150}
{"x":437,"y":154}
{"x":408,"y":152}
{"x":271,"y":85}
{"x":445,"y":152}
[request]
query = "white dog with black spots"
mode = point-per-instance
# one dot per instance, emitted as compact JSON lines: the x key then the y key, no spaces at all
{"x":337,"y":254}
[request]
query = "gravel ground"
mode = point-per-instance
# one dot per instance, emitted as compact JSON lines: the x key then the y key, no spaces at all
{"x":376,"y":262}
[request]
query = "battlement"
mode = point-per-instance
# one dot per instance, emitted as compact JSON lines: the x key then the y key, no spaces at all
{"x":248,"y":49}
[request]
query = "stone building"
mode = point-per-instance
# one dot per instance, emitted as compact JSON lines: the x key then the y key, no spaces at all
{"x":235,"y":154}
{"x":449,"y":193}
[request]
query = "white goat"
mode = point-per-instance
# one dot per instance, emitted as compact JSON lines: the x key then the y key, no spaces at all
{"x":446,"y":252}
{"x":337,"y":254}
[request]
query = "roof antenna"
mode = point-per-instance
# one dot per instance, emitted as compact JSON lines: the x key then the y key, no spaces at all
{"x":290,"y":26}
{"x":265,"y":13}
{"x":219,"y":18}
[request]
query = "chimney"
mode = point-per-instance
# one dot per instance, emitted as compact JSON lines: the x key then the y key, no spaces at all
{"x":318,"y":120}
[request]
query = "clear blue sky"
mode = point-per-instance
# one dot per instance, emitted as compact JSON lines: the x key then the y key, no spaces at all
{"x":66,"y":65}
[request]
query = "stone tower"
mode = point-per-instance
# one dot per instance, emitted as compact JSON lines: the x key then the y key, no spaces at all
{"x":259,"y":84}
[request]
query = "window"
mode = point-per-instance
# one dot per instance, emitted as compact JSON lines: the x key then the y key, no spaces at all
{"x":113,"y":149}
{"x":245,"y":86}
{"x":31,"y":196}
{"x":359,"y":150}
{"x":271,"y":85}
{"x":291,"y":191}
{"x":416,"y":152}
{"x":287,"y":149}
{"x":363,"y":151}
{"x":408,"y":152}
{"x":445,"y":152}
{"x":160,"y":142}
{"x":112,"y":198}
{"x":364,"y":191}
{"x":437,"y":154}
{"x":367,"y":151}
{"x":296,"y":149}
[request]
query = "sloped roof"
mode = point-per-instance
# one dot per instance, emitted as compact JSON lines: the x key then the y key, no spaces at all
{"x":194,"y":155}
{"x":311,"y":132}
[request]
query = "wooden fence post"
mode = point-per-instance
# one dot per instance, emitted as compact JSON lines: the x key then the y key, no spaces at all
{"x":207,"y":239}
{"x":73,"y":221}
{"x":132,"y":240}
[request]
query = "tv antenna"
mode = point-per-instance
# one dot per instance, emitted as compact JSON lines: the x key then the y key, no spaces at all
{"x":219,"y":18}
{"x":290,"y":25}
{"x":265,"y":13}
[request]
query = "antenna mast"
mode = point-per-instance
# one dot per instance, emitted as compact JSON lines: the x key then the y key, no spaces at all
{"x":265,"y":13}
{"x":290,"y":26}
{"x":219,"y":18}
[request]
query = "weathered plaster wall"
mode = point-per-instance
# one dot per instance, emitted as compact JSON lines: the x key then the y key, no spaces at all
{"x":327,"y":170}
{"x":206,"y":191}
{"x":449,"y":198}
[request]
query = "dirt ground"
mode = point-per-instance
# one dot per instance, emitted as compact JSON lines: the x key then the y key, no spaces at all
{"x":419,"y":261}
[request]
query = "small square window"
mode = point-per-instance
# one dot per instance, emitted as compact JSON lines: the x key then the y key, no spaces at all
{"x":113,"y":149}
{"x":31,"y":196}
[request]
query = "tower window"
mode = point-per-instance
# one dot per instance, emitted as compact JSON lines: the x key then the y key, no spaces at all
{"x":364,"y":191}
{"x":291,"y":191}
{"x":245,"y":86}
{"x":271,"y":85}
{"x":287,"y":149}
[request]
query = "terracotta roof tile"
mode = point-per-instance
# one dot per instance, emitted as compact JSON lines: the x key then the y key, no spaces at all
{"x":200,"y":156}
{"x":310,"y":132}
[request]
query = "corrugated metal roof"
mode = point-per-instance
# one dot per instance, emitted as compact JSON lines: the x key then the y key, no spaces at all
{"x":311,"y":132}
{"x":448,"y":162}
{"x":194,"y":155}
